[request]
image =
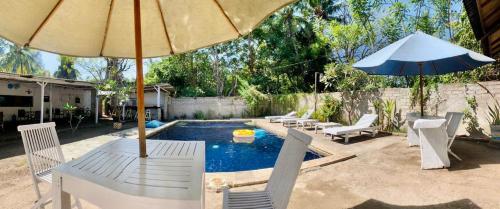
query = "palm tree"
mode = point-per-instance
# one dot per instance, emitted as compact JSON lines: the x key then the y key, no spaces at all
{"x":20,"y":60}
{"x":66,"y":68}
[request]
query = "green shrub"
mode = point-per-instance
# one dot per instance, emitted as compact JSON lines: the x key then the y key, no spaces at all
{"x":470,"y":118}
{"x":494,"y":113}
{"x":330,"y":110}
{"x":378,"y":105}
{"x":256,"y":101}
{"x":393,"y":120}
{"x":199,"y":115}
{"x":284,"y":103}
{"x":301,"y":111}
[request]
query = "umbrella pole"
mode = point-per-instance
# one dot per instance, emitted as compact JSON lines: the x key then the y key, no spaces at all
{"x":141,"y":122}
{"x":421,"y":76}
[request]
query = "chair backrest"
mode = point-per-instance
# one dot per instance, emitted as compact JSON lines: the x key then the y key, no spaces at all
{"x":291,"y":113}
{"x":42,"y":147}
{"x":453,"y":120}
{"x":308,"y":114}
{"x":448,"y":117}
{"x":366,"y":120}
{"x":287,"y":167}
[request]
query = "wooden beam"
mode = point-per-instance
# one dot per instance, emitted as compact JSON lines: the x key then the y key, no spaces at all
{"x":165,"y":27}
{"x":141,"y":126}
{"x":227,"y":17}
{"x":107,"y":26}
{"x":44,"y":22}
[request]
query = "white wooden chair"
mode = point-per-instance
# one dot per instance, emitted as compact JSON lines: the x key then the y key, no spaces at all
{"x":433,"y":143}
{"x":453,"y":120}
{"x":44,"y":153}
{"x":282,"y":180}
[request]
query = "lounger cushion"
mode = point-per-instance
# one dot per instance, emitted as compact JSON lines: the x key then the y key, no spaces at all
{"x":346,"y":129}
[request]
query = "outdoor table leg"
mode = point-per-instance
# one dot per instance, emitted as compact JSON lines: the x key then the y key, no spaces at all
{"x":61,"y":199}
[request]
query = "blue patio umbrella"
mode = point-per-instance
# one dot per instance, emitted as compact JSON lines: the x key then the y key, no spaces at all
{"x":421,"y":54}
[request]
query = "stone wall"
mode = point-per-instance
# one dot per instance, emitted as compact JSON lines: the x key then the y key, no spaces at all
{"x":448,"y":98}
{"x":212,"y":107}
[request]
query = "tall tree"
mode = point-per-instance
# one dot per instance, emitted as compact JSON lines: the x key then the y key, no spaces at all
{"x":66,"y":68}
{"x":20,"y":60}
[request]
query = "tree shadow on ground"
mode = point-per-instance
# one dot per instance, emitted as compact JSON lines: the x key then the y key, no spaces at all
{"x":473,"y":154}
{"x":458,"y":204}
{"x":15,"y":147}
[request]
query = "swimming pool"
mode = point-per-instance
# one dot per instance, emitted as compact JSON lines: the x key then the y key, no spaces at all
{"x":222,"y":154}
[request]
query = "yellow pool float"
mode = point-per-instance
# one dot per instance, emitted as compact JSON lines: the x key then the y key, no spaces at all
{"x":243,"y":136}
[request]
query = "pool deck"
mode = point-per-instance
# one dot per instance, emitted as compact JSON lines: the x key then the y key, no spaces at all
{"x":381,"y":172}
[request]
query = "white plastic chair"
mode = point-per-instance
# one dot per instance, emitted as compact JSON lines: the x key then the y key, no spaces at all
{"x":433,"y":143}
{"x":282,"y":180}
{"x":44,"y":153}
{"x":453,"y":120}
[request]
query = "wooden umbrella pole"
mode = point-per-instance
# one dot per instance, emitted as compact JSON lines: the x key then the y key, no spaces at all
{"x":421,"y":90}
{"x":141,"y":122}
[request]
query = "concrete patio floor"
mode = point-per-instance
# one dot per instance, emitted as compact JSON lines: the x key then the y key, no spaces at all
{"x":384,"y":174}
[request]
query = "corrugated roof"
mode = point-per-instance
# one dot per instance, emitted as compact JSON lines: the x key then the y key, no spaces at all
{"x":484,"y":16}
{"x":55,"y":81}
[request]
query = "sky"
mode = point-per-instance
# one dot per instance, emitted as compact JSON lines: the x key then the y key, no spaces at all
{"x":50,"y":62}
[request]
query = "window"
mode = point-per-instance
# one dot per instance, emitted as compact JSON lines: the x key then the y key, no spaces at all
{"x":16,"y":101}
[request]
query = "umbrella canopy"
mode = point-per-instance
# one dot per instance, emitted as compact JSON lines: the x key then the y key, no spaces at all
{"x":435,"y":55}
{"x":92,"y":28}
{"x":116,"y":28}
{"x":421,"y":54}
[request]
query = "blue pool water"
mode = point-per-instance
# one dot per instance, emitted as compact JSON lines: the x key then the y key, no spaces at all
{"x":222,"y":155}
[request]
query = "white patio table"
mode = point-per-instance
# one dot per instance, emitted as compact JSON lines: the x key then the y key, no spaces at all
{"x":113,"y":176}
{"x":413,"y":138}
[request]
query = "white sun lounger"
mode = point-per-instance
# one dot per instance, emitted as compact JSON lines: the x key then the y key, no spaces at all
{"x":364,"y":124}
{"x":433,"y":143}
{"x":304,"y":119}
{"x":282,"y":180}
{"x":324,"y":126}
{"x":306,"y":122}
{"x":277,"y":117}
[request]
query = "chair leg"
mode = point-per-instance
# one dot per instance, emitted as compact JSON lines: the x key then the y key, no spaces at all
{"x":77,"y":204}
{"x":454,"y":155}
{"x":346,"y":138}
{"x":42,"y":200}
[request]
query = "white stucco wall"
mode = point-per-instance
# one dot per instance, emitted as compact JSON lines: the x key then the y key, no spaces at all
{"x":212,"y":107}
{"x":60,"y":96}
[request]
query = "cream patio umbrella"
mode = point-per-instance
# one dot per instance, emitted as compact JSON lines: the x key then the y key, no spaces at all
{"x":111,"y":28}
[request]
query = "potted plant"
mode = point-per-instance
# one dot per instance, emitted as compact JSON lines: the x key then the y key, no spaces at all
{"x":117,"y":123}
{"x":494,"y":120}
